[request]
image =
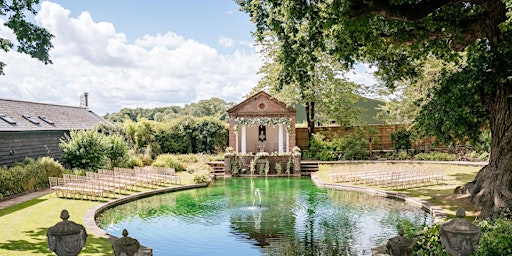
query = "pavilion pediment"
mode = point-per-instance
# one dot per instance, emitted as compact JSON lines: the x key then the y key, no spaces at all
{"x":261,"y":104}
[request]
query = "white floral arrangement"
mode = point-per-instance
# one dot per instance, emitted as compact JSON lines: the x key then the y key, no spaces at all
{"x":265,"y":121}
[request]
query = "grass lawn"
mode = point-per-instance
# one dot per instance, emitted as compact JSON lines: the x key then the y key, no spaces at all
{"x":23,"y":226}
{"x":441,"y":194}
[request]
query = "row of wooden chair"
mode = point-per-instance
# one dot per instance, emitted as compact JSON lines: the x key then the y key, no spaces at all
{"x":394,"y":178}
{"x":108,"y":183}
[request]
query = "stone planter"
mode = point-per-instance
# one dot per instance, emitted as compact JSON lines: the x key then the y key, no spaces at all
{"x":459,"y":236}
{"x":66,"y":238}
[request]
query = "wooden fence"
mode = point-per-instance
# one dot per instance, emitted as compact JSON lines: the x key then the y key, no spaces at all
{"x":380,"y":141}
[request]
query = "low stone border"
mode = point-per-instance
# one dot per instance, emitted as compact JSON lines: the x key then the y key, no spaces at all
{"x":91,"y":214}
{"x":436,"y":211}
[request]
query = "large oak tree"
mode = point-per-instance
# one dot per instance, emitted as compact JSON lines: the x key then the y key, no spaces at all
{"x":398,"y":36}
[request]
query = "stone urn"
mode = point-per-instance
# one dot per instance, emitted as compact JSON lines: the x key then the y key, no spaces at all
{"x":66,"y":238}
{"x":126,"y":246}
{"x":459,"y":236}
{"x":400,"y":245}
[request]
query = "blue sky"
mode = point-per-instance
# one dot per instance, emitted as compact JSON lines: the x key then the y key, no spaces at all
{"x":139,"y":54}
{"x":203,"y":20}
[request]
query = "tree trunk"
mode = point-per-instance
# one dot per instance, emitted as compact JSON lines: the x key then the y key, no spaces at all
{"x":310,"y":117}
{"x":491,"y":189}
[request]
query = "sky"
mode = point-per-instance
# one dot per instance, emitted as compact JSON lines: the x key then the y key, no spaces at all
{"x":146,"y":54}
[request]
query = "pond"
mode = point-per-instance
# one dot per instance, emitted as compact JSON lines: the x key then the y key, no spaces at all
{"x":294,"y":218}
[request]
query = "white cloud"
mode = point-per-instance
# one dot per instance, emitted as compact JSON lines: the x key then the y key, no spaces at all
{"x":226,"y":42}
{"x":156,"y":70}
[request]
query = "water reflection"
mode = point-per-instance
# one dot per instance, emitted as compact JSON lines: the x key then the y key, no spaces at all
{"x":295,"y":218}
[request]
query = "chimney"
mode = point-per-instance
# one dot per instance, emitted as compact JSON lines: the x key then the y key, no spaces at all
{"x":84,"y":100}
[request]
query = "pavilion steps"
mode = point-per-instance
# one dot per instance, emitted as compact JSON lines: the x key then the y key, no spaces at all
{"x":307,"y":167}
{"x":218,"y":167}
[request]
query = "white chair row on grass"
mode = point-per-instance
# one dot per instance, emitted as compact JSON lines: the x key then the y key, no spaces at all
{"x":108,"y":183}
{"x":393,"y":178}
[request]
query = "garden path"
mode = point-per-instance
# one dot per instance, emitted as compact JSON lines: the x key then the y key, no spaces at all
{"x":23,"y":198}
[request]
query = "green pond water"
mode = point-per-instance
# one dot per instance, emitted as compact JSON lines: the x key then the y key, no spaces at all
{"x":295,"y":218}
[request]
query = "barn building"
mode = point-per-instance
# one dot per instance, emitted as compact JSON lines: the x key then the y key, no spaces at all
{"x":30,"y":129}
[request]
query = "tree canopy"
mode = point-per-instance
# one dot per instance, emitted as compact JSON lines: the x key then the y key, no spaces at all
{"x":398,"y":37}
{"x":213,"y":107}
{"x":31,"y":39}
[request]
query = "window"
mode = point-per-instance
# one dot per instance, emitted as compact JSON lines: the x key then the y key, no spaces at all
{"x":48,"y":121}
{"x":31,"y":119}
{"x":7,"y":119}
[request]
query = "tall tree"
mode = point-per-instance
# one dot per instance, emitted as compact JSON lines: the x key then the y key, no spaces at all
{"x":31,"y":39}
{"x":398,"y":36}
{"x":309,"y":76}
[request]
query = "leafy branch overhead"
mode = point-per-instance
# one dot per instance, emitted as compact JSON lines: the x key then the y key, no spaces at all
{"x":31,"y":39}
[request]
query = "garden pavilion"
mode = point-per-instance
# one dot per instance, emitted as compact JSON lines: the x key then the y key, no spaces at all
{"x":261,"y":123}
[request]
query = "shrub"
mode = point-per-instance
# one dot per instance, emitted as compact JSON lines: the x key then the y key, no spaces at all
{"x":427,"y":241}
{"x":167,"y":160}
{"x":435,"y":156}
{"x":135,"y":160}
{"x":401,"y":140}
{"x":354,"y":145}
{"x":198,"y":167}
{"x":496,"y":238}
{"x":84,"y":149}
{"x":28,"y":175}
{"x":201,"y":178}
{"x":117,"y":150}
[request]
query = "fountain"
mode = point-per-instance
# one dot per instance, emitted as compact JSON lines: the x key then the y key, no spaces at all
{"x":258,"y":194}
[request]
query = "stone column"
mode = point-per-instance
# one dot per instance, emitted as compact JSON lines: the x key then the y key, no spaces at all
{"x":236,"y":142}
{"x":244,"y":139}
{"x":296,"y":163}
{"x":459,"y":236}
{"x":280,"y":138}
{"x":228,"y":159}
{"x":126,"y":246}
{"x":287,"y":134}
{"x":66,"y":238}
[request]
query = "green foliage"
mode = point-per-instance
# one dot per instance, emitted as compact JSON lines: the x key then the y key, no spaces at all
{"x":400,"y":155}
{"x":117,"y":150}
{"x":483,"y":144}
{"x":201,"y":178}
{"x":28,"y":175}
{"x":278,"y":168}
{"x":436,"y":156}
{"x":496,"y":238}
{"x":427,"y":241}
{"x":168,"y":160}
{"x":91,"y":150}
{"x":350,"y":147}
{"x":213,"y":107}
{"x":179,"y":136}
{"x":84,"y":149}
{"x":401,"y":140}
{"x":212,"y":135}
{"x":31,"y":39}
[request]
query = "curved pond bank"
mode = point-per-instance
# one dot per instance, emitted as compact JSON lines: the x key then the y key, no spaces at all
{"x":91,"y":214}
{"x":436,"y":211}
